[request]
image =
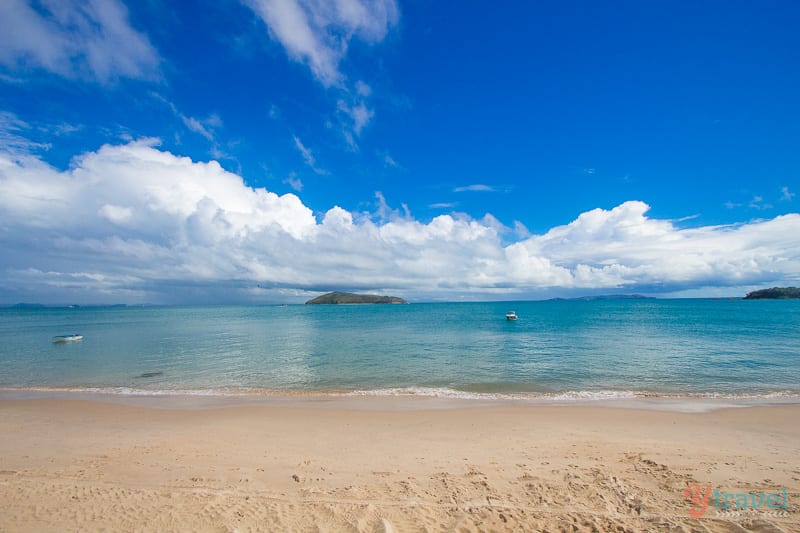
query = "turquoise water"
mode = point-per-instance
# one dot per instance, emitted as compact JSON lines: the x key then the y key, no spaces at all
{"x":556,"y":349}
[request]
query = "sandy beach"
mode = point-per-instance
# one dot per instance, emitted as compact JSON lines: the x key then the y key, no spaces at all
{"x":69,"y":465}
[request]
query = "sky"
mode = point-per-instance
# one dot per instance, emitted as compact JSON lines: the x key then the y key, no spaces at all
{"x":264,"y":151}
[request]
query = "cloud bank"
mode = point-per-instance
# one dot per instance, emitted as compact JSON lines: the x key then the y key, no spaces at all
{"x":135,"y":223}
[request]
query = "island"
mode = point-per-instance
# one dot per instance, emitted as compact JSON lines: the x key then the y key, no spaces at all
{"x":775,"y":293}
{"x":350,"y":298}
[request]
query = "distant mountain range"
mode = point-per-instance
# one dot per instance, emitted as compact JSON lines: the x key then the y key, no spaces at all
{"x":606,"y":297}
{"x":350,"y":298}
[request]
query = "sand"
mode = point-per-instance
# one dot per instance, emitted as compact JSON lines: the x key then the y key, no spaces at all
{"x":70,"y":465}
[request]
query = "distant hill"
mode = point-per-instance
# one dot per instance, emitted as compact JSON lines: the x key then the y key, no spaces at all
{"x":608,"y":297}
{"x":350,"y":298}
{"x":775,"y":293}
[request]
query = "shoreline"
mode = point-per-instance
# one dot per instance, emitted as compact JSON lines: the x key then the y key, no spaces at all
{"x":77,"y":465}
{"x":400,"y":399}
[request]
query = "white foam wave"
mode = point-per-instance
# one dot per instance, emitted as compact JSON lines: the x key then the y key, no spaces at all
{"x":427,"y":392}
{"x":585,"y":395}
{"x":444,"y":392}
{"x":432,"y":392}
{"x":128,"y":391}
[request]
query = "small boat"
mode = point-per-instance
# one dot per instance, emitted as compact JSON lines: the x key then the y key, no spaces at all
{"x":68,"y":338}
{"x":511,"y":315}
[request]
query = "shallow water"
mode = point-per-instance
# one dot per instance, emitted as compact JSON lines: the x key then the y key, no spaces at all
{"x":557,"y":349}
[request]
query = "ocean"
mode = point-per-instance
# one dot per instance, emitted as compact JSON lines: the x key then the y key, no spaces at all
{"x":556,"y":350}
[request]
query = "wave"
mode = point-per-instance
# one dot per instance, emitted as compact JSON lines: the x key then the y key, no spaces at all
{"x":574,"y":395}
{"x":444,"y":392}
{"x":425,"y":392}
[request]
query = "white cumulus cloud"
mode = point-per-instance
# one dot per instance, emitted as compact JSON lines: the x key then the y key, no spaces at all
{"x":137,"y":223}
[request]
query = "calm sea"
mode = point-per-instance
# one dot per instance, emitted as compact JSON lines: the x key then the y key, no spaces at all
{"x":557,"y":349}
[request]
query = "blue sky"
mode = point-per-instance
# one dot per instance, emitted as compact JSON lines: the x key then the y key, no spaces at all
{"x":264,"y":150}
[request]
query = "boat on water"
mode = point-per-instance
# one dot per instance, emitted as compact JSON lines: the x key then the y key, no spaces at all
{"x":511,"y":315}
{"x":68,"y":338}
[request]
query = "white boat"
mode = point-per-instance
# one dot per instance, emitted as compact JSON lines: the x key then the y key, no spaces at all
{"x":68,"y":338}
{"x":511,"y":315}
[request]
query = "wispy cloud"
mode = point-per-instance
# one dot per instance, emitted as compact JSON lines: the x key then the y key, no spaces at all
{"x":442,"y":205}
{"x":308,"y":156}
{"x":75,"y":39}
{"x":353,"y":118}
{"x":318,"y":33}
{"x":274,"y":112}
{"x":17,"y":135}
{"x":294,"y":182}
{"x":385,"y":213}
{"x":389,"y":161}
{"x":204,"y":127}
{"x":196,"y":126}
{"x":12,"y":135}
{"x":758,"y":203}
{"x":477,"y":187}
{"x":359,"y":114}
{"x":363,"y":89}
